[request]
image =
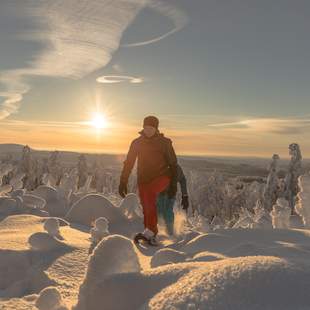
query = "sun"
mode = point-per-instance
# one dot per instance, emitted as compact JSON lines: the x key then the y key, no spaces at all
{"x":99,"y":121}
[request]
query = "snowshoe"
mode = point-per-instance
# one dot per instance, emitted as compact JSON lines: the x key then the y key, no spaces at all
{"x":140,"y":237}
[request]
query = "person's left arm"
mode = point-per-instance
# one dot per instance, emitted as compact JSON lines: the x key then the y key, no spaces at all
{"x":173,"y":164}
{"x":183,"y":184}
{"x":182,"y":181}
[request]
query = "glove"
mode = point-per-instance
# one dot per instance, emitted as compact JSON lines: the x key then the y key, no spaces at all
{"x":172,"y":191}
{"x":122,"y":189}
{"x":185,"y":203}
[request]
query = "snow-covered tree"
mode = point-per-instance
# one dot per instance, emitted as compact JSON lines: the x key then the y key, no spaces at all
{"x":28,"y":166}
{"x":262,"y":218}
{"x":294,"y":172}
{"x":271,"y":190}
{"x":82,"y":170}
{"x":302,"y":207}
{"x":281,"y":214}
{"x":54,"y":167}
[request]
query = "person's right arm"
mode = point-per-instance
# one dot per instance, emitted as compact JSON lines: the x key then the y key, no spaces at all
{"x":129,"y":162}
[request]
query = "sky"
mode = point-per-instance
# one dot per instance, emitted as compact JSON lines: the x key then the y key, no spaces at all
{"x":227,"y":78}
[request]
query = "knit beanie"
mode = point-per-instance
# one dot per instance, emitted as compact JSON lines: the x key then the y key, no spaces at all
{"x":151,"y":121}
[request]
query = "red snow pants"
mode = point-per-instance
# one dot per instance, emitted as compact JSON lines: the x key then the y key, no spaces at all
{"x":148,"y":196}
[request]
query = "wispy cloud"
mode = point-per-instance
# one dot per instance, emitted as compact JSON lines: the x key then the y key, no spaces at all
{"x":177,"y":16}
{"x":113,"y":79}
{"x":239,"y":124}
{"x":282,"y":126}
{"x":79,"y":37}
{"x":15,"y":89}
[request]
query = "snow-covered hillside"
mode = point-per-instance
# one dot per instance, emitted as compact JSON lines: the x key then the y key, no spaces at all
{"x":66,"y":245}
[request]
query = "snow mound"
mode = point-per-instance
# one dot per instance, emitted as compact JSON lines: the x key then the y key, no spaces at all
{"x":20,"y":203}
{"x":224,"y":284}
{"x":17,"y":275}
{"x":167,"y":256}
{"x":102,"y":225}
{"x":207,"y":242}
{"x":54,"y":205}
{"x":13,"y":267}
{"x":10,"y":206}
{"x":113,"y":255}
{"x":86,"y":210}
{"x":259,"y":283}
{"x":185,"y":238}
{"x":207,"y":257}
{"x":246,"y":249}
{"x":98,"y":232}
{"x":130,"y":290}
{"x":51,"y":225}
{"x":131,"y":207}
{"x":48,"y":193}
{"x":50,"y":299}
{"x":25,"y":271}
{"x":32,"y":201}
{"x":42,"y":241}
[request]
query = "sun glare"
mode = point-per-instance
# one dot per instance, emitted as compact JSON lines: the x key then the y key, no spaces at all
{"x":99,"y":121}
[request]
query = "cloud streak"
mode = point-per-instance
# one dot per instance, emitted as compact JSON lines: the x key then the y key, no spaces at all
{"x":79,"y":37}
{"x":178,"y":18}
{"x":281,"y":126}
{"x":114,"y":79}
{"x":15,"y":89}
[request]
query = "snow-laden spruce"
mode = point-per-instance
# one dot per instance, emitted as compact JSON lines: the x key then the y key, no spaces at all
{"x":281,"y":214}
{"x":271,"y":191}
{"x":303,"y":205}
{"x":293,"y":173}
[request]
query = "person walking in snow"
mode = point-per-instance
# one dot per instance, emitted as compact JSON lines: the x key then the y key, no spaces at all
{"x":165,"y":203}
{"x":156,"y":172}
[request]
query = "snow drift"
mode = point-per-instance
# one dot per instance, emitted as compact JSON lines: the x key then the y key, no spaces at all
{"x":86,"y":210}
{"x":113,"y":255}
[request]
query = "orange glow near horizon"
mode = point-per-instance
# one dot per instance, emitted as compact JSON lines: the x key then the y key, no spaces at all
{"x":88,"y":137}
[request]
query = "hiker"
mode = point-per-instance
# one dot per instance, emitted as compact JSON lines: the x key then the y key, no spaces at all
{"x":165,"y":204}
{"x":156,"y":172}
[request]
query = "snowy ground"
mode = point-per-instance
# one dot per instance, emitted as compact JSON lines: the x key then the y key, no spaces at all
{"x":225,"y":269}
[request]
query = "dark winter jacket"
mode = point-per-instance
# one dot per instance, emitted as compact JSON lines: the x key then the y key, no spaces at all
{"x":156,"y":157}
